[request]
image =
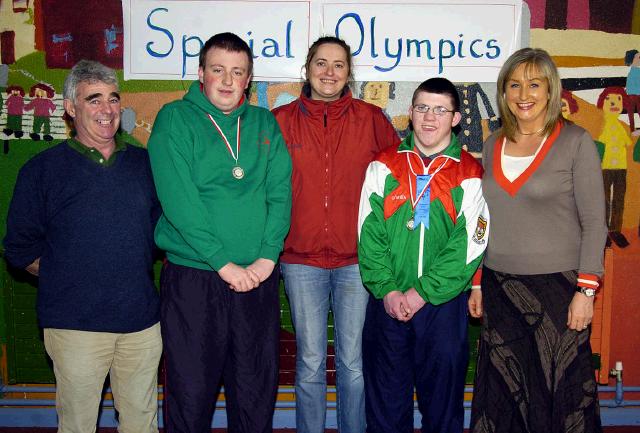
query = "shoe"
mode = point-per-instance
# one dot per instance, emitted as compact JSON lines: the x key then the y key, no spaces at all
{"x":18,"y":134}
{"x":7,"y":131}
{"x":47,"y":137}
{"x":34,"y":136}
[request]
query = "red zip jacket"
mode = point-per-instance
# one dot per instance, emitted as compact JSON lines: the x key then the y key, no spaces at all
{"x":331,"y":144}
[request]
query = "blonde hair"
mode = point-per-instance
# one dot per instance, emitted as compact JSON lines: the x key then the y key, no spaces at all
{"x":540,"y":60}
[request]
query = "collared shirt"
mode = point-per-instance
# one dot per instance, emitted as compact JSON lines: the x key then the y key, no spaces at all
{"x":94,"y":154}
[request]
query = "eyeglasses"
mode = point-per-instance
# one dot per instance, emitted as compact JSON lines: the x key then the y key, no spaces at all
{"x":438,"y":110}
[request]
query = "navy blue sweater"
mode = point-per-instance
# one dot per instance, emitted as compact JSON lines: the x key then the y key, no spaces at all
{"x":92,"y":226}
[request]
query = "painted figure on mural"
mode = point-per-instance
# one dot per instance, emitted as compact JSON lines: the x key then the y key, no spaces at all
{"x":43,"y":107}
{"x":569,"y":105}
{"x":379,"y":93}
{"x":632,"y":59}
{"x":128,"y":120}
{"x":616,"y":141}
{"x":471,"y":135}
{"x":568,"y":108}
{"x":15,"y":110}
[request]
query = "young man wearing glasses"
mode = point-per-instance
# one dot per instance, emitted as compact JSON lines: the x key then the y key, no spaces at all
{"x":423,"y":226}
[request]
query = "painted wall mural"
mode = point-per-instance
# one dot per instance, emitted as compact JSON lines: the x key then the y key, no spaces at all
{"x":595,"y":45}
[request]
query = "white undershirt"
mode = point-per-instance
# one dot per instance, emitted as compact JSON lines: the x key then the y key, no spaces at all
{"x":514,"y":166}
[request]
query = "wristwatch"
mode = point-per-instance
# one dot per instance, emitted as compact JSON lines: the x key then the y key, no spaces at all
{"x":589,"y":293}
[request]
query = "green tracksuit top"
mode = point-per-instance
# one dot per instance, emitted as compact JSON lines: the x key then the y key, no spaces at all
{"x":210,"y":217}
{"x":440,"y":260}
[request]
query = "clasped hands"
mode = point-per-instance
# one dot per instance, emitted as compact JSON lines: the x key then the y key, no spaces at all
{"x":245,"y":279}
{"x":403,"y":306}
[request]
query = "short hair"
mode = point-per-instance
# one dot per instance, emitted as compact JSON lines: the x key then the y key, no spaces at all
{"x":441,"y":86}
{"x":42,"y":86}
{"x":571,"y":101}
{"x":229,"y":42}
{"x":313,"y":49}
{"x":87,"y":71}
{"x":531,"y":58}
{"x":628,"y":57}
{"x":613,"y":90}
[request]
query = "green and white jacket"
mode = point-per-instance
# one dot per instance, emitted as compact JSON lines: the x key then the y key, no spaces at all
{"x":438,"y":261}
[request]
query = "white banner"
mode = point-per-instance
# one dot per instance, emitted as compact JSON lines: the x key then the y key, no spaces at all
{"x":463,"y":40}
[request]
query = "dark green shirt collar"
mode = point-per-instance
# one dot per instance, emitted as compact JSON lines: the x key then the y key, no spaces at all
{"x":94,"y":154}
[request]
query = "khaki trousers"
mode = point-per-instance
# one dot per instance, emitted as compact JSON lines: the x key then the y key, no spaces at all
{"x":81,"y":361}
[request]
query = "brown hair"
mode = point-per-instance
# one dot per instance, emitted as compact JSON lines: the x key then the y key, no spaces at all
{"x":229,"y":42}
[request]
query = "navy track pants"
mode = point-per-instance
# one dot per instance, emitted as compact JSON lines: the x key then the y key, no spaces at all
{"x":212,"y":336}
{"x":430,"y":353}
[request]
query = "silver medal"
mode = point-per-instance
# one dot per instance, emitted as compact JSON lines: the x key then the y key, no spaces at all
{"x":410,"y":224}
{"x":237,"y":172}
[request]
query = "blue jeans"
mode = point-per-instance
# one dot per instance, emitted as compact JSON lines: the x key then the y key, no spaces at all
{"x":311,"y":292}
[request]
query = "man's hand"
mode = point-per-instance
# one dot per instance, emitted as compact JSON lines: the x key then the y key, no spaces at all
{"x":34,"y":268}
{"x":262,"y":268}
{"x":414,"y":301}
{"x":396,"y":306}
{"x":580,"y":312}
{"x":475,"y":303}
{"x":239,"y":278}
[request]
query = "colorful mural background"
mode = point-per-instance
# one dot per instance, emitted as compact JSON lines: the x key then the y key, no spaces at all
{"x":592,"y":41}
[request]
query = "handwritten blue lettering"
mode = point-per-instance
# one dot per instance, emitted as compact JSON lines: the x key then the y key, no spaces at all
{"x":440,"y":50}
{"x":396,"y":55}
{"x":373,"y":38}
{"x":442,"y":55}
{"x":460,"y":43}
{"x":186,"y":53}
{"x":496,"y":48}
{"x":288,"y":39}
{"x":474,"y":53}
{"x":160,"y":29}
{"x":417,"y":44}
{"x":271,"y":48}
{"x":358,"y":21}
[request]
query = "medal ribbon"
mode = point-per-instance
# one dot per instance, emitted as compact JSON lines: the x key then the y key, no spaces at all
{"x":423,"y":216}
{"x":235,"y":155}
{"x":415,"y":201}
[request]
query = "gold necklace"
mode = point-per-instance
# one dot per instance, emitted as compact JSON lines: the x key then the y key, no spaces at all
{"x":530,"y":133}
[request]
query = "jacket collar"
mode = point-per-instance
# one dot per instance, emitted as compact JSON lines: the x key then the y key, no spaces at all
{"x":315,"y":108}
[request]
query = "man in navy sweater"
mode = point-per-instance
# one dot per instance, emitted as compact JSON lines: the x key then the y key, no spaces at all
{"x":82,"y":219}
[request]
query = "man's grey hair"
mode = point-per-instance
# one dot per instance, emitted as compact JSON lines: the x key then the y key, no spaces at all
{"x":87,"y":71}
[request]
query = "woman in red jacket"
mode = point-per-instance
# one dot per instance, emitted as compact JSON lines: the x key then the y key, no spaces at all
{"x":331,"y":137}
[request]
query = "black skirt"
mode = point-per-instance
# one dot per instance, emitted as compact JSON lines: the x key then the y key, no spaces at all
{"x":534,"y":374}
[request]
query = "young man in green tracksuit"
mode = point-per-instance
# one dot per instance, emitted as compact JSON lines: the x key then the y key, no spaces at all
{"x":222,"y":172}
{"x":423,"y":226}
